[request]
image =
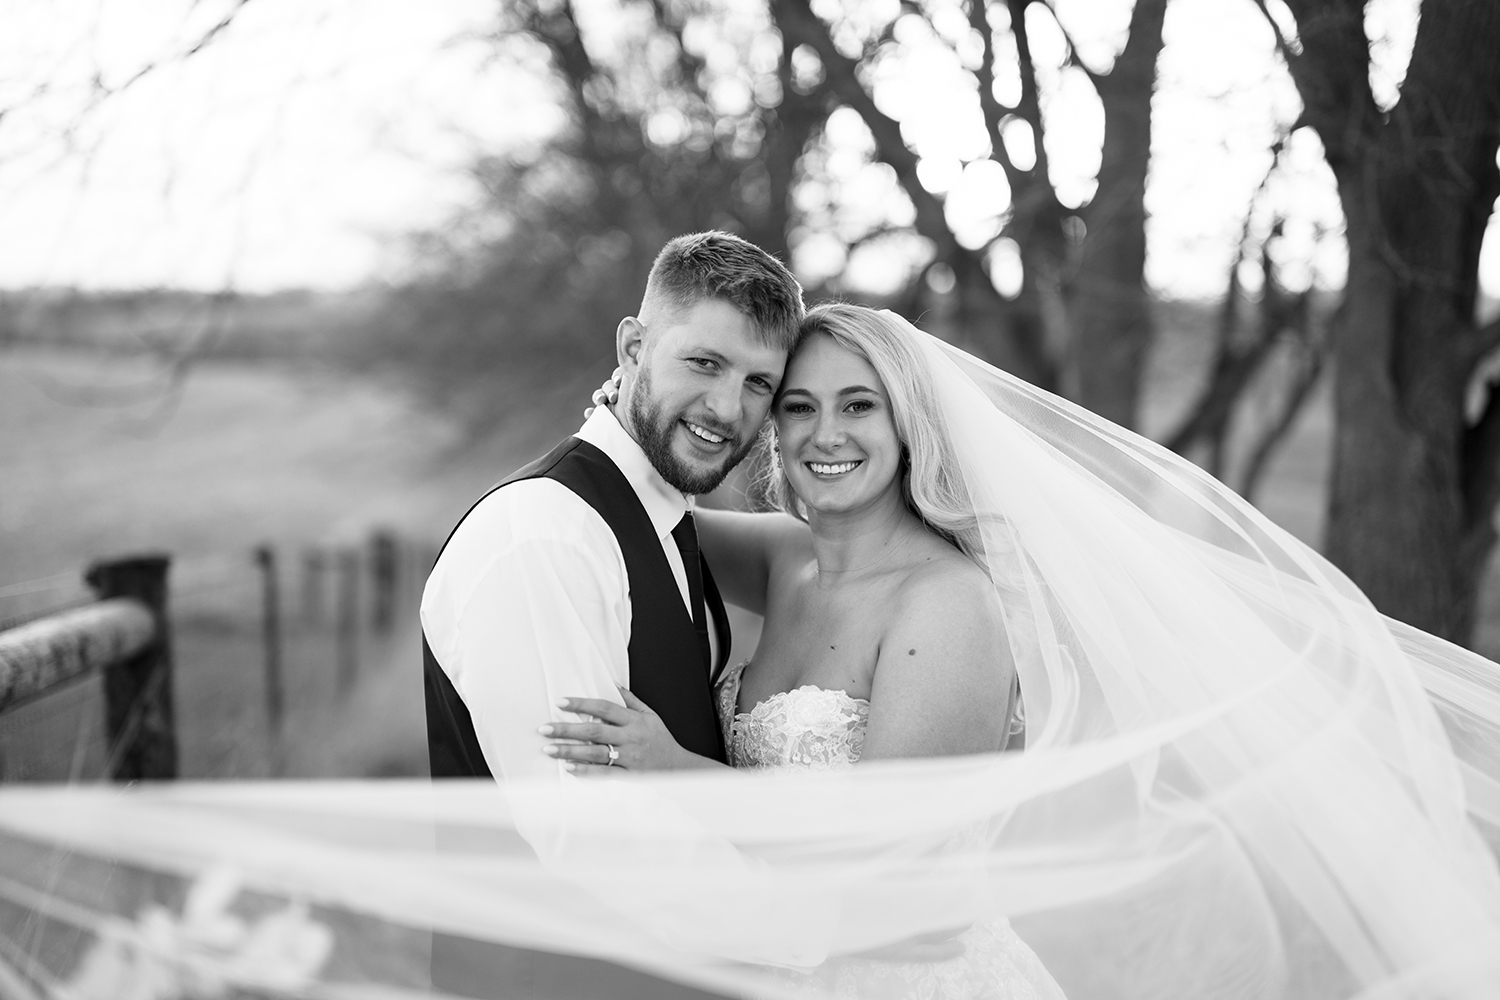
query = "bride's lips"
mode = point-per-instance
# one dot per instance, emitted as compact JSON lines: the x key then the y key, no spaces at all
{"x":833,"y":470}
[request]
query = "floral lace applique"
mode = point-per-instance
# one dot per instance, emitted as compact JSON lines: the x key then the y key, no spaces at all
{"x":809,"y":727}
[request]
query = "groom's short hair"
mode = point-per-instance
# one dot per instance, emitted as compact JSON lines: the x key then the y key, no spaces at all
{"x":719,"y":265}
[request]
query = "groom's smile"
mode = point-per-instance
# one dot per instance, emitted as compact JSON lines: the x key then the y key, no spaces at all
{"x":706,"y":439}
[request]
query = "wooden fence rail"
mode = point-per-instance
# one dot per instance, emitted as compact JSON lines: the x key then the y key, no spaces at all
{"x":126,"y":638}
{"x":316,"y":616}
{"x":45,"y":653}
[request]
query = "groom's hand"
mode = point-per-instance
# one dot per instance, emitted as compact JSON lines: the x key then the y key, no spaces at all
{"x":636,"y":734}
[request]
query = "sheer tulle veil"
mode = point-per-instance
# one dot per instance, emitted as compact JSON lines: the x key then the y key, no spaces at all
{"x":1240,"y":781}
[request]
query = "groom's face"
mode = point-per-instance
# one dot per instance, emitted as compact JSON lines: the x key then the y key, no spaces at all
{"x":698,"y":383}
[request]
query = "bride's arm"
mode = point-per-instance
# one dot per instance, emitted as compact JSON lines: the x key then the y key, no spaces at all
{"x":741,"y":548}
{"x":944,"y":673}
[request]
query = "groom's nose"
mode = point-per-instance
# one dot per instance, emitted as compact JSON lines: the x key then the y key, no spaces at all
{"x":724,"y":402}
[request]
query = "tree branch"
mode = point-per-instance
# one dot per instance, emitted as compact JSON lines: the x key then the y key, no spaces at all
{"x":796,"y":19}
{"x":1332,"y":75}
{"x":1073,"y":59}
{"x":1288,"y":53}
{"x":994,"y":112}
{"x":1481,"y":480}
{"x":1481,"y":342}
{"x":101,"y":93}
{"x":688,"y":65}
{"x":1030,"y":107}
{"x":1297,"y":396}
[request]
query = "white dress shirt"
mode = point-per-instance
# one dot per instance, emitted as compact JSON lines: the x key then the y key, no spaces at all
{"x":530,"y":602}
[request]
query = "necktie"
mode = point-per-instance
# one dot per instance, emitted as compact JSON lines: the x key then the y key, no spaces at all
{"x":686,"y":537}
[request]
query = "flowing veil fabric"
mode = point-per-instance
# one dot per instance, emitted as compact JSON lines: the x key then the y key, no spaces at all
{"x":1240,"y":781}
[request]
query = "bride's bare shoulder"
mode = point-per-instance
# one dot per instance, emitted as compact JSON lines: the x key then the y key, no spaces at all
{"x":946,"y":586}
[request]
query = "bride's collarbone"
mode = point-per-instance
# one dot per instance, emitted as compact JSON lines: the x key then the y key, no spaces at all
{"x":826,"y":629}
{"x":825,"y":637}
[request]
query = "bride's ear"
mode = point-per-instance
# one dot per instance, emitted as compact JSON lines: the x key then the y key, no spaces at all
{"x":630,"y":341}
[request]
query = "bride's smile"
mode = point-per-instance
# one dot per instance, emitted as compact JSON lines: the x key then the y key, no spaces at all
{"x":827,"y":470}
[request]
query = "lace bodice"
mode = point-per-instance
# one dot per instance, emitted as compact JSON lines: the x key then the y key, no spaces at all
{"x":808,"y":727}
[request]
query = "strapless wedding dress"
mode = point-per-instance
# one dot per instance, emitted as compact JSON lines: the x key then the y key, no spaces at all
{"x":823,"y":730}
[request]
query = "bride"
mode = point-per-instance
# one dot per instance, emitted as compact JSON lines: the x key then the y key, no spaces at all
{"x":1240,"y":781}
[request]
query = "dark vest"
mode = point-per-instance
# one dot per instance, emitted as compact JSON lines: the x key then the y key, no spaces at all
{"x":666,"y":667}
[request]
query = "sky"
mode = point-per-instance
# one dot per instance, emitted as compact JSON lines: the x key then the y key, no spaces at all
{"x":303,"y":144}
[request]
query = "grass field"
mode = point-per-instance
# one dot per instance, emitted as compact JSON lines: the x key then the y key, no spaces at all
{"x":246,"y":454}
{"x":93,"y":462}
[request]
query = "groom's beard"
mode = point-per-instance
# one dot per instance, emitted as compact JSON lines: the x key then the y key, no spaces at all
{"x":654,"y":433}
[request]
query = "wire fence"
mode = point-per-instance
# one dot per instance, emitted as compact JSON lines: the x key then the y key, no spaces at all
{"x":268,"y":645}
{"x":29,"y":600}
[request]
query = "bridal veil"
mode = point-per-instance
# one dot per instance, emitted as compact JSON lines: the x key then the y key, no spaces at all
{"x":1240,"y":781}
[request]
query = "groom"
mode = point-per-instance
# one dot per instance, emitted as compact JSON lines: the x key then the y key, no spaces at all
{"x":580,"y":573}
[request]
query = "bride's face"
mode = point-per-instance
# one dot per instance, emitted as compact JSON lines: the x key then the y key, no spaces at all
{"x":836,"y":432}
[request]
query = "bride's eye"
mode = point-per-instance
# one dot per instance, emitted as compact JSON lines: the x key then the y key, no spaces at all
{"x":795,"y":409}
{"x":861,"y":405}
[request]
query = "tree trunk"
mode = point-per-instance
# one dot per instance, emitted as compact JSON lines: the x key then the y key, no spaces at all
{"x":1413,"y":489}
{"x":1110,"y":312}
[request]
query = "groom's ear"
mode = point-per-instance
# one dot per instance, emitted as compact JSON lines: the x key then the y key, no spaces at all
{"x":630,"y":341}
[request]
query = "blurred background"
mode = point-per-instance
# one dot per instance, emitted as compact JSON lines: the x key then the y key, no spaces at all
{"x":284,"y":284}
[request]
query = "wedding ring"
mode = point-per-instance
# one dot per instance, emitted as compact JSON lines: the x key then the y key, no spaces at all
{"x":614,"y":755}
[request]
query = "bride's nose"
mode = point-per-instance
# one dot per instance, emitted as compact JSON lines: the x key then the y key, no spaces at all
{"x":829,"y":434}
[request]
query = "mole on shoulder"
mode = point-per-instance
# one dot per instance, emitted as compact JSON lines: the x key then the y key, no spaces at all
{"x":911,"y":652}
{"x":833,"y":647}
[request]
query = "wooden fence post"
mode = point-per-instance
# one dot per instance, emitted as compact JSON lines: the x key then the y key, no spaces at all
{"x":383,"y":578}
{"x":138,"y":692}
{"x":312,"y":586}
{"x":347,"y":614}
{"x":265,"y":558}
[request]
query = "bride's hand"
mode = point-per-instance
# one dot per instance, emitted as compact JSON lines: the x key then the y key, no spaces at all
{"x":606,"y":394}
{"x":637,"y":734}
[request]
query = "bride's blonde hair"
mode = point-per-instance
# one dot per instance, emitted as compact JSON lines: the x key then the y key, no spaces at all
{"x":931,"y":482}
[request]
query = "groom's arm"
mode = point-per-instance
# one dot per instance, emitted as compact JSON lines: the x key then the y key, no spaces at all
{"x":528,"y":605}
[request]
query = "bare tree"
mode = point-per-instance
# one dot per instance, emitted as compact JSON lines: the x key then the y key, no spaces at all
{"x":1081,"y":320}
{"x":1415,"y":482}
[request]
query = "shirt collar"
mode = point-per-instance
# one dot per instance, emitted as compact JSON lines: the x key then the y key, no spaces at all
{"x":664,"y":503}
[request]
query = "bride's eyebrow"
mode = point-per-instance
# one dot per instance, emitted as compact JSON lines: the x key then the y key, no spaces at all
{"x":852,"y":390}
